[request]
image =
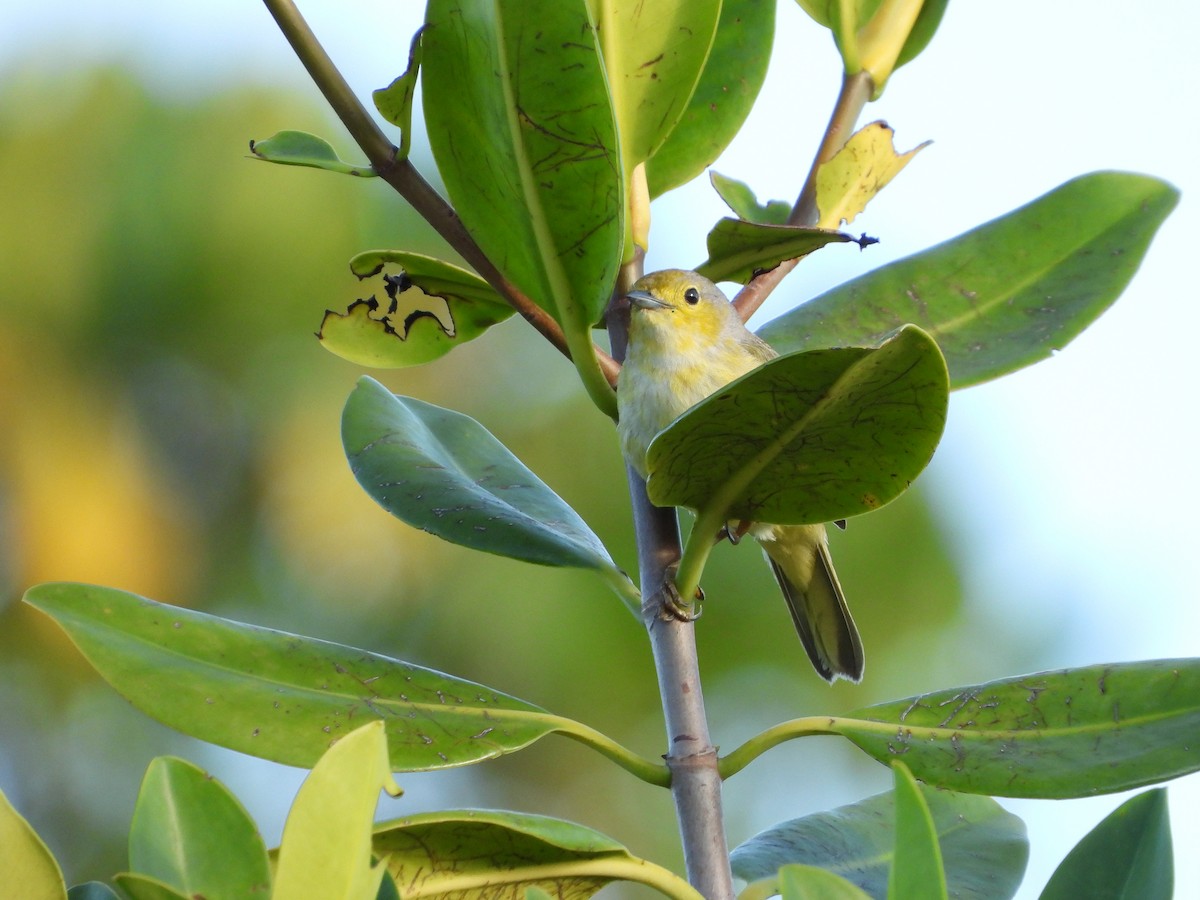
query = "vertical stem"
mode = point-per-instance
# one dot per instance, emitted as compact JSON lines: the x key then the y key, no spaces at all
{"x":691,"y":756}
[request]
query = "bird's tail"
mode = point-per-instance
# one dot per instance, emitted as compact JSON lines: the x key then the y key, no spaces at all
{"x":799,"y":557}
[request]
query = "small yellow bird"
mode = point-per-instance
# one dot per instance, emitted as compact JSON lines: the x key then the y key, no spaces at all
{"x":687,"y":341}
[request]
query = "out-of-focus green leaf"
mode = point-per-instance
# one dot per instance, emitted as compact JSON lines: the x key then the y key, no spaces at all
{"x":797,"y":882}
{"x":741,"y":200}
{"x":395,"y":101}
{"x":917,"y":872}
{"x":25,"y":860}
{"x":733,"y":74}
{"x":1006,"y":294}
{"x":738,"y":250}
{"x":923,"y":31}
{"x":1053,"y":735}
{"x":490,"y":853}
{"x":279,"y":696}
{"x":143,"y":887}
{"x":857,"y":172}
{"x":984,"y":847}
{"x":445,"y":473}
{"x":1126,"y":857}
{"x":522,"y":128}
{"x":299,"y":148}
{"x":189,"y":832}
{"x":810,"y":437}
{"x":92,"y":890}
{"x":432,"y":308}
{"x":326,"y":846}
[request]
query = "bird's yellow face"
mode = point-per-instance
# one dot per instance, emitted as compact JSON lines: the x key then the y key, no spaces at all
{"x":674,"y":313}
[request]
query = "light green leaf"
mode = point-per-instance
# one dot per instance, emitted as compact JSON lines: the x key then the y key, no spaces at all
{"x":1006,"y":294}
{"x":738,"y":250}
{"x":443,"y":472}
{"x":798,"y":882}
{"x":1053,"y":735}
{"x":143,"y":887}
{"x":279,"y":696}
{"x":733,"y":74}
{"x":490,"y":853}
{"x":810,"y":437}
{"x":25,"y":860}
{"x":326,"y":847}
{"x":190,"y":833}
{"x":917,"y":872}
{"x":1126,"y":857}
{"x":741,"y":200}
{"x":522,"y":128}
{"x":984,"y":847}
{"x":299,"y":148}
{"x":395,"y":101}
{"x":857,"y":172}
{"x":432,"y":308}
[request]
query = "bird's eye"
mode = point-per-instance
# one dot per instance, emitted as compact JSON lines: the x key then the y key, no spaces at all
{"x":692,"y":296}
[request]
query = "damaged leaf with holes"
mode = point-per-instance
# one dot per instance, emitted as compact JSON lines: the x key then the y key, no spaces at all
{"x":429,"y":307}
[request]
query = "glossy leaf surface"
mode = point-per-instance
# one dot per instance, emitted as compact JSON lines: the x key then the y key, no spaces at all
{"x":279,"y":696}
{"x":428,"y":308}
{"x":299,"y":148}
{"x":737,"y":250}
{"x":1054,"y":735}
{"x":983,"y":847}
{"x":810,"y":437}
{"x":189,"y":832}
{"x":733,"y":74}
{"x":1126,"y":857}
{"x":1006,"y":294}
{"x":445,"y":473}
{"x":520,"y":122}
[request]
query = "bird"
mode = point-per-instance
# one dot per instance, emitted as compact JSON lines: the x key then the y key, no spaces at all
{"x":687,"y":341}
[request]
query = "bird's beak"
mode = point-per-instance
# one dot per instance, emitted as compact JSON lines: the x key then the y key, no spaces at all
{"x":646,"y":300}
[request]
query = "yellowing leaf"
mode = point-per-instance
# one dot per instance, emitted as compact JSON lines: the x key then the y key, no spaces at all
{"x":24,"y":859}
{"x":859,"y":171}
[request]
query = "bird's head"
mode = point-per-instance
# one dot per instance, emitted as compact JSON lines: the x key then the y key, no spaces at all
{"x":675,"y":311}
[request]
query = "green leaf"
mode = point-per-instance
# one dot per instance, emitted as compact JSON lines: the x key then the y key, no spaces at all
{"x":984,"y":847}
{"x":25,"y":860}
{"x":143,"y":887}
{"x":521,"y":125}
{"x":279,"y":696}
{"x":1053,"y":735}
{"x":923,"y":30}
{"x":1006,"y":294}
{"x":738,"y":250}
{"x":741,"y":200}
{"x":395,"y":101}
{"x":299,"y":148}
{"x":432,"y":308}
{"x":326,"y":847}
{"x":797,"y":882}
{"x":92,"y":890}
{"x":445,"y":473}
{"x":1126,"y":857}
{"x":811,"y":437}
{"x":857,"y":172}
{"x":733,"y":74}
{"x":917,"y":872}
{"x":190,"y":833}
{"x":490,"y":853}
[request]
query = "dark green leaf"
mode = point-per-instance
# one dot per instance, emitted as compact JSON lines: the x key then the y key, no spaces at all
{"x":520,"y":122}
{"x":983,"y":847}
{"x":443,"y":472}
{"x":741,"y":200}
{"x":917,"y":872}
{"x":299,"y":148}
{"x":1006,"y":294}
{"x":92,"y":890}
{"x":190,"y":833}
{"x":1070,"y":733}
{"x":1126,"y":857}
{"x":737,"y":250}
{"x":928,"y":20}
{"x":432,"y":307}
{"x":732,"y":76}
{"x":394,"y":102}
{"x":810,"y":437}
{"x":279,"y":696}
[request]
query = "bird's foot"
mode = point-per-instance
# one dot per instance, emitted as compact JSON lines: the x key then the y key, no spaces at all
{"x":733,"y":535}
{"x":672,"y":606}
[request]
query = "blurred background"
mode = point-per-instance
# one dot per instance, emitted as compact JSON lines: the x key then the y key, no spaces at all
{"x":170,"y":424}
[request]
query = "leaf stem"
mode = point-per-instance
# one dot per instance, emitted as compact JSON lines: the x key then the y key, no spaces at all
{"x":855,"y":92}
{"x":734,"y":762}
{"x":407,"y":181}
{"x":647,"y":770}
